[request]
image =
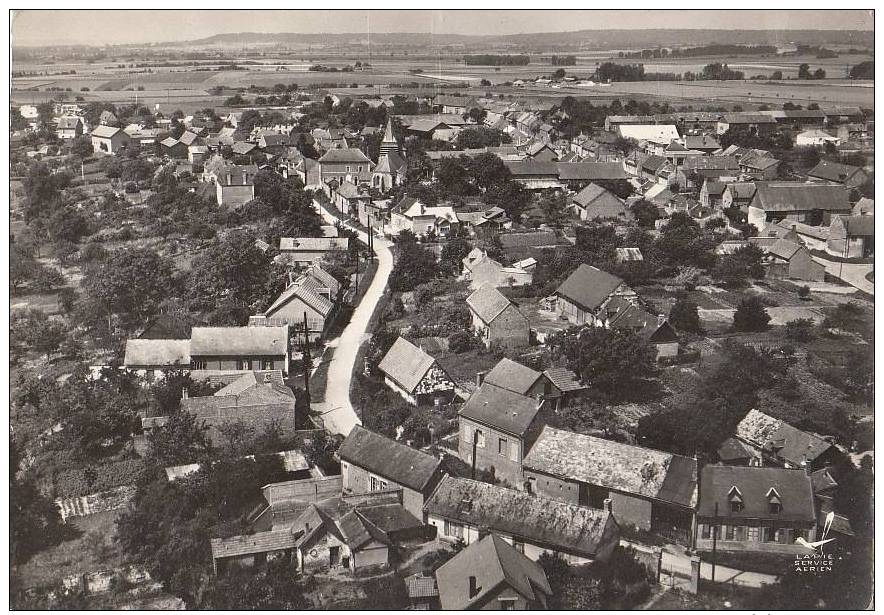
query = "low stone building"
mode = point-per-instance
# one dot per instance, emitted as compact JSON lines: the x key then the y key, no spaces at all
{"x":497,"y":320}
{"x":415,"y":375}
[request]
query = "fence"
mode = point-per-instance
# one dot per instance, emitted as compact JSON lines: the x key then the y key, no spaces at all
{"x":103,"y":501}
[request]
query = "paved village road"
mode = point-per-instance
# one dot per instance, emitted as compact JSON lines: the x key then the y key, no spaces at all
{"x":338,"y":415}
{"x":851,"y":273}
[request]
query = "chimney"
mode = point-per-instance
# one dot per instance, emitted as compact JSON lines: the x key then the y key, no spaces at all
{"x":474,"y":589}
{"x":661,"y":318}
{"x":806,"y":465}
{"x":184,"y":393}
{"x":229,"y":179}
{"x":480,"y":377}
{"x":607,"y":504}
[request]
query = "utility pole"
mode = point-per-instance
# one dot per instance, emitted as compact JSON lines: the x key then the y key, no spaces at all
{"x":475,"y":447}
{"x":308,"y":362}
{"x":357,"y":274}
{"x":714,"y":539}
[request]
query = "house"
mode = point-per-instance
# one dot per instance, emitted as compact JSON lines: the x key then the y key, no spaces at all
{"x":464,"y":510}
{"x":554,"y":385}
{"x":431,"y":129}
{"x":759,"y":165}
{"x":676,"y":152}
{"x":370,"y":462}
{"x":240,"y":348}
{"x":492,"y":575}
{"x":852,"y":236}
{"x":485,"y":270}
{"x":864,"y":207}
{"x":753,"y":509}
{"x":308,"y":250}
{"x":534,"y":174}
{"x":816,"y":138}
{"x":389,"y":172}
{"x":624,"y":313}
{"x":423,"y":595}
{"x":415,"y":375}
{"x":838,"y":173}
{"x":653,"y":138}
{"x":705,"y":144}
{"x":542,"y":152}
{"x":235,"y":185}
{"x":811,"y":203}
{"x":582,"y":296}
{"x":712,"y":193}
{"x":738,"y":194}
{"x":497,"y":427}
{"x":151,"y":358}
{"x":69,"y":127}
{"x":496,"y":319}
{"x":594,"y":202}
{"x":526,"y":244}
{"x":577,"y":175}
{"x":652,"y":490}
{"x":108,"y":139}
{"x":350,"y":164}
{"x":197,"y":154}
{"x":315,"y":296}
{"x":776,"y":442}
{"x":258,"y":399}
{"x":454,"y":104}
{"x":243,"y":149}
{"x":754,"y":123}
{"x":107,"y":118}
{"x":349,"y":197}
{"x":697,"y":169}
{"x":791,"y":260}
{"x":412,"y":215}
{"x":173,"y":148}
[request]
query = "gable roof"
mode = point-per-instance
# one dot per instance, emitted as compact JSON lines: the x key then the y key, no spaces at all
{"x":792,"y":444}
{"x":588,"y":286}
{"x":501,"y":409}
{"x":238,"y":341}
{"x":857,"y":226}
{"x":741,"y":190}
{"x":784,"y":249}
{"x":833,"y":171}
{"x":388,"y":458}
{"x":345,"y":155}
{"x":613,"y":465}
{"x":306,"y":289}
{"x":260,"y":542}
{"x":794,"y":489}
{"x":105,"y":132}
{"x":156,"y":352}
{"x":488,"y":302}
{"x":710,"y":163}
{"x":406,"y":364}
{"x":793,"y":196}
{"x":512,"y":376}
{"x":253,"y":379}
{"x":492,"y":561}
{"x":564,"y":379}
{"x":69,"y":122}
{"x":312,"y":244}
{"x":565,"y":527}
{"x":656,"y":133}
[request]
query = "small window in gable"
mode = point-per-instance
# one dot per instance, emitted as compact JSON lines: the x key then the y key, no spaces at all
{"x":774,"y":503}
{"x":735,"y":498}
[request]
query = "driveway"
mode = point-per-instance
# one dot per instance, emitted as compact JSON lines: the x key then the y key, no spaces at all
{"x":337,"y":413}
{"x":853,"y":274}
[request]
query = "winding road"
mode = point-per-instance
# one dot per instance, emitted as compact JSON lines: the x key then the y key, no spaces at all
{"x":337,"y":413}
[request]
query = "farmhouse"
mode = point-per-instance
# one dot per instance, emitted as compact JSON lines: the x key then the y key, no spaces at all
{"x":496,"y":319}
{"x":652,"y":490}
{"x":462,"y":509}
{"x":583,"y":295}
{"x":791,"y":260}
{"x":555,"y":384}
{"x":594,"y":202}
{"x":308,"y":250}
{"x":852,"y":236}
{"x":813,"y":203}
{"x":150,"y":358}
{"x":415,"y":375}
{"x":314,"y":295}
{"x":776,"y":442}
{"x":240,"y":348}
{"x":838,"y":173}
{"x":108,"y":139}
{"x":370,"y":462}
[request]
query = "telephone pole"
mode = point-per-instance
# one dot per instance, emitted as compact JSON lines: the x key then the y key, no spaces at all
{"x":714,"y":540}
{"x":307,"y":360}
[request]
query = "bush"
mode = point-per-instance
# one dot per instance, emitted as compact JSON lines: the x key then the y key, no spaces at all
{"x":462,"y":342}
{"x":804,"y":292}
{"x":751,"y":315}
{"x":800,"y":330}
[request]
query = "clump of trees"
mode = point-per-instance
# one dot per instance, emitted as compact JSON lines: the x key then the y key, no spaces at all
{"x":486,"y":59}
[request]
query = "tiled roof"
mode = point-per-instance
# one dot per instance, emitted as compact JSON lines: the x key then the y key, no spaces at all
{"x":419,"y":586}
{"x":312,"y":244}
{"x":564,"y":379}
{"x":388,"y":458}
{"x":253,"y":379}
{"x":238,"y":341}
{"x":512,"y":376}
{"x":406,"y":364}
{"x":156,"y":352}
{"x":858,"y":226}
{"x":783,"y":248}
{"x":565,"y":527}
{"x":69,"y":122}
{"x":788,"y":442}
{"x":260,"y":542}
{"x":613,"y":465}
{"x":531,"y":239}
{"x":710,"y":163}
{"x":794,"y":196}
{"x":501,"y":409}
{"x":755,"y":486}
{"x":588,"y":286}
{"x":833,"y":171}
{"x":488,"y":302}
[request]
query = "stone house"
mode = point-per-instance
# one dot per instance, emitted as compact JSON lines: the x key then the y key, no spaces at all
{"x":496,"y":319}
{"x":464,"y":510}
{"x":234,"y":185}
{"x":852,"y":236}
{"x":584,"y":294}
{"x":151,"y":358}
{"x":371,"y":462}
{"x":415,"y":375}
{"x":809,"y":203}
{"x":69,"y":127}
{"x":737,"y":194}
{"x":484,"y":270}
{"x":412,"y":215}
{"x":555,"y":385}
{"x":594,"y":202}
{"x":652,"y":490}
{"x":108,"y":139}
{"x":315,"y":294}
{"x":791,"y":260}
{"x":773,"y":441}
{"x":656,"y":331}
{"x":350,"y":165}
{"x":240,"y":348}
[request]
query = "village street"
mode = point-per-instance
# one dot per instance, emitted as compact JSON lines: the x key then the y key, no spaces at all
{"x":850,"y":273}
{"x":336,"y":411}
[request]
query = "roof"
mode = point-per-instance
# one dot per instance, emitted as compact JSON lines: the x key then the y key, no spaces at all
{"x":791,"y":444}
{"x":104,"y":131}
{"x":793,"y":196}
{"x":69,"y":122}
{"x":591,"y":193}
{"x":260,"y":542}
{"x":734,"y":450}
{"x":419,"y":209}
{"x":657,"y":133}
{"x":793,"y":489}
{"x":530,"y":239}
{"x":564,"y":379}
{"x":252,"y":379}
{"x":491,"y":561}
{"x":156,"y":352}
{"x":864,"y":206}
{"x":833,"y":171}
{"x":711,"y":163}
{"x":394,"y":460}
{"x":714,"y":187}
{"x":312,"y":244}
{"x":748,"y":118}
{"x":623,"y":467}
{"x":858,"y":226}
{"x":701,"y":142}
{"x":741,"y":190}
{"x":629,"y":254}
{"x":512,"y":376}
{"x":532,"y":167}
{"x":419,"y":586}
{"x":488,"y":302}
{"x":238,"y":341}
{"x":588,"y":286}
{"x":784,"y":249}
{"x":500,"y":408}
{"x":306,"y":289}
{"x":243,"y":147}
{"x":565,"y":527}
{"x":406,"y":364}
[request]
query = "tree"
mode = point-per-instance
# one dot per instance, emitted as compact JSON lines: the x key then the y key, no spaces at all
{"x":34,"y":521}
{"x":555,"y":209}
{"x":81,"y":147}
{"x":777,"y":75}
{"x":800,"y":330}
{"x":751,"y":315}
{"x":476,"y":114}
{"x":734,"y":269}
{"x":38,"y":332}
{"x":804,"y":71}
{"x":863,"y":70}
{"x":183,"y":439}
{"x":453,"y":253}
{"x":684,"y":315}
{"x":559,"y":73}
{"x":645,"y":213}
{"x":268,"y":587}
{"x":819,"y":74}
{"x":414,"y":265}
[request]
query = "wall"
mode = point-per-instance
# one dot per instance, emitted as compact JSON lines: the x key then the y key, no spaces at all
{"x":358,"y":480}
{"x":234,"y":196}
{"x":232,"y":363}
{"x":510,"y":329}
{"x":752,"y":538}
{"x":669,"y":349}
{"x":372,"y":554}
{"x":436,"y":383}
{"x":292,"y":313}
{"x":506,"y":594}
{"x":506,"y":467}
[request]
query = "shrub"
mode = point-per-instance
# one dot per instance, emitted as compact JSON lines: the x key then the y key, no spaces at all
{"x":804,"y":292}
{"x":462,"y":342}
{"x":751,"y":315}
{"x":800,"y":330}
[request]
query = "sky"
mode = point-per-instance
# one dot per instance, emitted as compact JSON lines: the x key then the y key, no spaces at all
{"x":42,"y":27}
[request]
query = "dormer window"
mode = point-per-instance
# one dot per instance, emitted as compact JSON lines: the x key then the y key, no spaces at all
{"x":735,"y":498}
{"x":774,"y":504}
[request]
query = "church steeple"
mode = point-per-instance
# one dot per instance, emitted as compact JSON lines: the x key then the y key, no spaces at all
{"x":389,"y":142}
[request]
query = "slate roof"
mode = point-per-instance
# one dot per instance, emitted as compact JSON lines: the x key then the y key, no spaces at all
{"x":306,"y":289}
{"x":243,"y":147}
{"x":714,"y":187}
{"x":613,"y":465}
{"x":734,"y":450}
{"x":793,"y":196}
{"x":492,"y":561}
{"x":590,"y":194}
{"x":859,"y":226}
{"x":833,"y":171}
{"x":69,"y":122}
{"x":253,"y":379}
{"x":564,"y":379}
{"x":565,"y":527}
{"x":488,"y":302}
{"x":406,"y":364}
{"x":742,"y":191}
{"x":531,"y":239}
{"x":701,"y":142}
{"x":156,"y":352}
{"x":512,"y":376}
{"x":794,"y":490}
{"x":238,"y":341}
{"x":388,"y":458}
{"x":784,"y":249}
{"x":588,"y":286}
{"x":312,"y":244}
{"x":714,"y":163}
{"x":520,"y":168}
{"x":345,"y":155}
{"x":501,"y":409}
{"x":793,"y":445}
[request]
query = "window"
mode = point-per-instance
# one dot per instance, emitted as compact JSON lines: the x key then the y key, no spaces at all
{"x":774,"y":508}
{"x":198,"y":364}
{"x":767,"y":534}
{"x":267,"y":364}
{"x":729,"y":532}
{"x":480,"y":438}
{"x":453,"y":529}
{"x":378,"y":484}
{"x":735,"y":498}
{"x":501,"y":446}
{"x":774,"y":504}
{"x":518,"y":545}
{"x":245,"y":364}
{"x":507,"y":604}
{"x":705,"y":531}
